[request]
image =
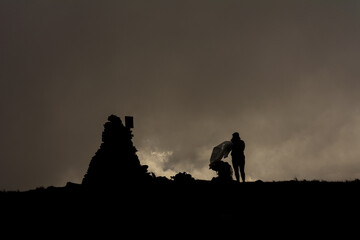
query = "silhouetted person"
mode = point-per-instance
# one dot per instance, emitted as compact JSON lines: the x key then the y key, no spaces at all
{"x":238,"y":156}
{"x":223,"y":170}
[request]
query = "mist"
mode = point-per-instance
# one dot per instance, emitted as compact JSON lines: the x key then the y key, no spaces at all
{"x":282,"y":74}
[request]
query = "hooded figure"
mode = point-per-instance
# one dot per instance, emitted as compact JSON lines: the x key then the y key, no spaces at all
{"x":238,"y":156}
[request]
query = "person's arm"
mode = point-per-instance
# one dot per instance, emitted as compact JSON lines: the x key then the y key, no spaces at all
{"x":227,"y":150}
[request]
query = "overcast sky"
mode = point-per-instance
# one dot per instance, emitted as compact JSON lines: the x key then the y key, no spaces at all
{"x":284,"y":74}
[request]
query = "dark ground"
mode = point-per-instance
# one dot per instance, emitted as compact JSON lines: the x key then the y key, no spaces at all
{"x":119,"y":198}
{"x":296,"y":206}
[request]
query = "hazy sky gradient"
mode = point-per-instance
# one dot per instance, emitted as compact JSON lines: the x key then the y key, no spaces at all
{"x":284,"y":74}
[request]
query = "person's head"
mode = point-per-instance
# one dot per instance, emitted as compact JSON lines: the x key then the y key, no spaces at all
{"x":235,"y":137}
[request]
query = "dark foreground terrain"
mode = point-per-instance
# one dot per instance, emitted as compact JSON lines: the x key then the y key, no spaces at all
{"x":119,"y":198}
{"x":300,"y":205}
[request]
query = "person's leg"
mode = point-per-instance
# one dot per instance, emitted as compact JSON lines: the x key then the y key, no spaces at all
{"x":236,"y":169}
{"x":242,"y":169}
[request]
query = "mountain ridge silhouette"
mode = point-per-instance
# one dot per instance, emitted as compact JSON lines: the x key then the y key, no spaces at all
{"x":116,"y":186}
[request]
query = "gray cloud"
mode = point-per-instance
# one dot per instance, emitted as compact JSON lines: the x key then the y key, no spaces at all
{"x":284,"y":74}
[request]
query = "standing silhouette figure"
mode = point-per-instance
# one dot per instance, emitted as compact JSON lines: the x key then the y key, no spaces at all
{"x":238,"y":156}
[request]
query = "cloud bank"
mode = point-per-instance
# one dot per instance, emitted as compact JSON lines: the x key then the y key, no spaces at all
{"x":283,"y":74}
